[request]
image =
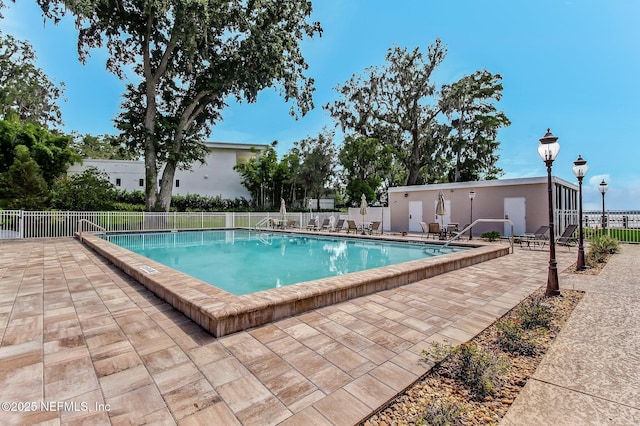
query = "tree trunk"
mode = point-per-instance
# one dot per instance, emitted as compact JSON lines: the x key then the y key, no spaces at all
{"x":163,"y":203}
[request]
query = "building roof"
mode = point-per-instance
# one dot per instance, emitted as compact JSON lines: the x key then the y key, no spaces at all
{"x":237,"y":145}
{"x":483,"y":184}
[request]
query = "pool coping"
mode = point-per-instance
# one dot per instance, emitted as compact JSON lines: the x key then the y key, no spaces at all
{"x":221,"y":313}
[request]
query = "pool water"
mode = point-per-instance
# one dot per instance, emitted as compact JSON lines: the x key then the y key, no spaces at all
{"x":242,"y":261}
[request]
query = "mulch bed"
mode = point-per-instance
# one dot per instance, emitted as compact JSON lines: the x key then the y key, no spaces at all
{"x":409,"y":407}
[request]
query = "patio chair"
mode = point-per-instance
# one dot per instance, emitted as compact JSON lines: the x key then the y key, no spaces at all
{"x":434,"y":229}
{"x":567,"y":238}
{"x":538,"y":237}
{"x":425,"y":228}
{"x":375,"y":227}
{"x":458,"y":233}
{"x":339,"y":225}
{"x":351,"y":226}
{"x":326,"y":224}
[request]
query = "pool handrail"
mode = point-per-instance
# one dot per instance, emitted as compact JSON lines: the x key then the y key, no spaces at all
{"x":511,"y":238}
{"x":81,"y":228}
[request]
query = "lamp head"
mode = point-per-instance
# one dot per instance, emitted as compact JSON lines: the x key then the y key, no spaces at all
{"x":549,"y":147}
{"x":603,"y":187}
{"x":580,"y":167}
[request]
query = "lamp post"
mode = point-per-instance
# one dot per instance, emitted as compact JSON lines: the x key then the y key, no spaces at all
{"x":548,"y":151}
{"x":603,"y":188}
{"x":472,"y":195}
{"x":580,"y":169}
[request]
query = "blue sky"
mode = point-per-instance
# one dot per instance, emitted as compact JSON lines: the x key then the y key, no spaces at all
{"x":570,"y":65}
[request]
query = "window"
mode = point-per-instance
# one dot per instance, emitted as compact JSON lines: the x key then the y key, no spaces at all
{"x":177,"y":183}
{"x":141,"y":182}
{"x":118,"y":182}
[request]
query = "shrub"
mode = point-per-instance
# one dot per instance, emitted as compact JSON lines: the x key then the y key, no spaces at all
{"x":478,"y":369}
{"x":88,"y":191}
{"x":536,"y":312}
{"x":491,"y":235}
{"x":441,"y":413}
{"x":511,"y":338}
{"x":600,"y":247}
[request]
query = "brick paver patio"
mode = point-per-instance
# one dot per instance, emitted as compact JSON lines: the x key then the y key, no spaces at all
{"x":98,"y":348}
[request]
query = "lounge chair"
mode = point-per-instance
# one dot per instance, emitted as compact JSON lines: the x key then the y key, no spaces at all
{"x":351,"y":226}
{"x":567,"y":239}
{"x":290,"y":224}
{"x":313,"y":224}
{"x":326,"y":224}
{"x":538,"y":237}
{"x":375,"y":227}
{"x":339,"y":225}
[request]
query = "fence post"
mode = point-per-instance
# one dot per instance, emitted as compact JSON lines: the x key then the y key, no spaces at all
{"x":21,"y":223}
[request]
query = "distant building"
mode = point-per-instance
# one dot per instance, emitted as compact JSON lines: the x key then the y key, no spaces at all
{"x":215,"y":177}
{"x":524,"y":201}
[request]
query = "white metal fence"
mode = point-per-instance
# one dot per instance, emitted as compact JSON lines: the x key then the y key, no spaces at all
{"x":622,"y":225}
{"x":18,"y":224}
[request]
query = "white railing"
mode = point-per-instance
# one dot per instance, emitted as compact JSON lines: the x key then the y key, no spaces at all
{"x":623,"y":225}
{"x":16,"y":224}
{"x":19,"y":224}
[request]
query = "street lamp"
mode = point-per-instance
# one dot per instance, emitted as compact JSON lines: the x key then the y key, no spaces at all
{"x":580,"y":169}
{"x":603,"y":188}
{"x":548,"y":151}
{"x":472,"y":195}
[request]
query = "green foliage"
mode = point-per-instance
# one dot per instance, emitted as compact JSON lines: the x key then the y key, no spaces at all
{"x":107,"y":147}
{"x":475,"y":367}
{"x":430,"y":132}
{"x":511,"y":337}
{"x":190,"y":58}
{"x":51,"y":151}
{"x":475,"y":121}
{"x":317,"y":164}
{"x":365,"y":163}
{"x":535,"y":312}
{"x":88,"y":191}
{"x":600,"y":247}
{"x":604,"y":244}
{"x":441,"y":413}
{"x":25,"y":90}
{"x":491,"y":235}
{"x":22,"y":186}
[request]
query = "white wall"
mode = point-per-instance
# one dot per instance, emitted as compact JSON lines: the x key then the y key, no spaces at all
{"x":215,"y":177}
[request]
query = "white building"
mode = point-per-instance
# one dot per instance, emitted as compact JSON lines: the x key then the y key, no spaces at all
{"x":216,"y":177}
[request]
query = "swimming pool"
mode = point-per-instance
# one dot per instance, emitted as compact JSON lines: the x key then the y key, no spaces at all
{"x":221,"y":312}
{"x":245,"y":261}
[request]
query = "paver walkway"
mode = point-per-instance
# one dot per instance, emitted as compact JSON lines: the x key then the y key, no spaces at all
{"x":84,"y":343}
{"x":591,"y":374}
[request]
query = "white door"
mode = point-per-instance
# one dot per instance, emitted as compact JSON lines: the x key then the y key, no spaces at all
{"x":515,"y":209}
{"x":415,"y":216}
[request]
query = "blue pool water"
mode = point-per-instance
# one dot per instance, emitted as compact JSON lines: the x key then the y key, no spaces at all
{"x":241,"y":261}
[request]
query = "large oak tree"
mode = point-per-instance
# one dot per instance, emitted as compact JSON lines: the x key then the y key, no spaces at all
{"x":399,"y":105}
{"x":191,"y":56}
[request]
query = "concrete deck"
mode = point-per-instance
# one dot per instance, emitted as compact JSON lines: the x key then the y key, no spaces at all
{"x":591,"y":374}
{"x":82,"y":343}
